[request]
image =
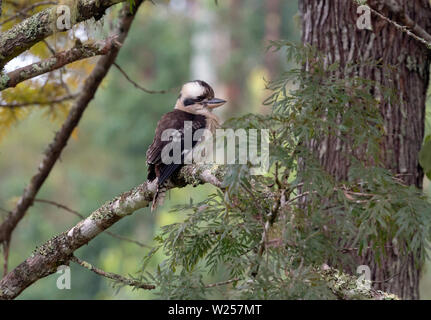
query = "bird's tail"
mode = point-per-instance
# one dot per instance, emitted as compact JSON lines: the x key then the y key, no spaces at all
{"x":159,"y":196}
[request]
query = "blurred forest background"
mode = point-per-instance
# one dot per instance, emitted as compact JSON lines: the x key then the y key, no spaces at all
{"x":171,"y":42}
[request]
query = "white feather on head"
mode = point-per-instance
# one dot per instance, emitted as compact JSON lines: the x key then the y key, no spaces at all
{"x":195,"y":89}
{"x":192,"y":89}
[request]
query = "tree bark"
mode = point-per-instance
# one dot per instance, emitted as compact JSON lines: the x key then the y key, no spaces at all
{"x":330,"y":26}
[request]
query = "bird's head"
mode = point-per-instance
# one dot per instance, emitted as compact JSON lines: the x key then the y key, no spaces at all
{"x":197,"y":97}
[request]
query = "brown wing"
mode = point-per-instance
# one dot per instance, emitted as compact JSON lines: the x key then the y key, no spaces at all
{"x":171,"y":120}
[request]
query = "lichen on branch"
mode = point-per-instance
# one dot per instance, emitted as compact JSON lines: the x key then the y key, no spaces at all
{"x":30,"y":31}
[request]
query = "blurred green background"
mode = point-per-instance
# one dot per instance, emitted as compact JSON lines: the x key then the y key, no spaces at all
{"x":170,"y":42}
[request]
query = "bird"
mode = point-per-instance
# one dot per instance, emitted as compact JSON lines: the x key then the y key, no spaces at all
{"x":195,"y":104}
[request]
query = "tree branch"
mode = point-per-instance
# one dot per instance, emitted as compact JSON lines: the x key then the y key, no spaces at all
{"x":409,"y":22}
{"x":24,"y":35}
{"x":59,"y":250}
{"x":114,"y":235}
{"x":113,"y":276}
{"x":347,"y":287}
{"x":54,"y":150}
{"x":22,"y":13}
{"x":223,"y":283}
{"x":137,"y":85}
{"x":39,"y":103}
{"x":6,"y":247}
{"x":417,"y":32}
{"x":58,"y":60}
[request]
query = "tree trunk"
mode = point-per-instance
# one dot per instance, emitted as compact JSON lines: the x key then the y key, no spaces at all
{"x":330,"y":26}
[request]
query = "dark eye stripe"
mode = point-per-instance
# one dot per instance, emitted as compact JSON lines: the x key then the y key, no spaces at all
{"x":188,"y":102}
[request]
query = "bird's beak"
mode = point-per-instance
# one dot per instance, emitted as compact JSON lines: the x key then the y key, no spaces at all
{"x":214,"y":103}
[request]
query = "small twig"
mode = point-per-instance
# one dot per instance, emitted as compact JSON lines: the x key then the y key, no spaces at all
{"x":345,"y":191}
{"x":50,"y":48}
{"x":139,"y":86}
{"x":11,"y":2}
{"x":22,"y":13}
{"x":61,"y":206}
{"x":255,"y":201}
{"x":393,"y":276}
{"x":269,"y":222}
{"x":277,"y":181}
{"x":218,"y":284}
{"x":6,"y":246}
{"x":299,"y":196}
{"x":113,"y":276}
{"x":39,"y":103}
{"x":4,"y":210}
{"x":63,"y":84}
{"x":419,"y":33}
{"x":117,"y":236}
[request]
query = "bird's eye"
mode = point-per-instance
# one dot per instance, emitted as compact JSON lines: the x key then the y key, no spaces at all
{"x":188,"y":102}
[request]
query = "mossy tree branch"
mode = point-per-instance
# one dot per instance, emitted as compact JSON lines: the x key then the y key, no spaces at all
{"x":78,"y":52}
{"x":59,"y":250}
{"x":347,"y":287}
{"x":41,"y":25}
{"x":113,"y":276}
{"x":54,"y":150}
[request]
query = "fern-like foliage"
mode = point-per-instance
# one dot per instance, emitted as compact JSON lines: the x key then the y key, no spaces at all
{"x":269,"y":235}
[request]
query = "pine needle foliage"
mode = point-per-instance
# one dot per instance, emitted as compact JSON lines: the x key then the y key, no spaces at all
{"x":267,"y":237}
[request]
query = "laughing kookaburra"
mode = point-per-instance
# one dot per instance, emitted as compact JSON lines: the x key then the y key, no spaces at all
{"x":194,"y":106}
